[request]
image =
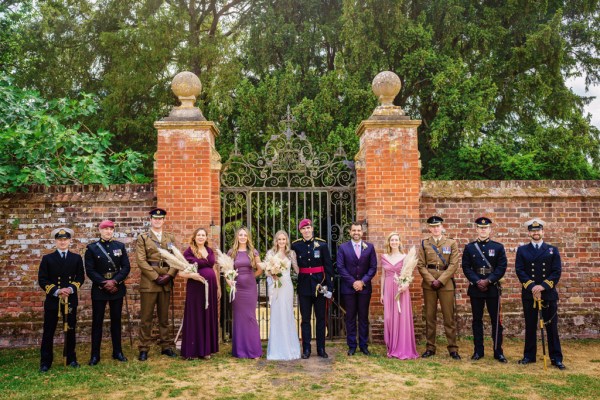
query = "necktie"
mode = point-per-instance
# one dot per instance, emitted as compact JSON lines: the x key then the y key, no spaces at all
{"x":63,"y":255}
{"x":537,"y":246}
{"x":357,"y":249}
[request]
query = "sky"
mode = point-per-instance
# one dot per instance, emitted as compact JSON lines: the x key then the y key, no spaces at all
{"x":578,"y":87}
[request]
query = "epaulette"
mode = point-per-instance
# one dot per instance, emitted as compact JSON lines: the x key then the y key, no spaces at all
{"x":320,"y":240}
{"x":297,"y":240}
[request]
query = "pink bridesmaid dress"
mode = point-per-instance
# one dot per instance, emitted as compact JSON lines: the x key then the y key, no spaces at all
{"x":398,"y":327}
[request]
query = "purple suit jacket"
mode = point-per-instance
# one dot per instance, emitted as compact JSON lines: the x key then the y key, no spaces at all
{"x":353,"y":269}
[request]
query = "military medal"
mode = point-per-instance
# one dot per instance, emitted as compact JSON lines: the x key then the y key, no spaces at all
{"x":492,"y":252}
{"x":446,"y":250}
{"x":551,"y":250}
{"x":317,"y":254}
{"x":117,"y":252}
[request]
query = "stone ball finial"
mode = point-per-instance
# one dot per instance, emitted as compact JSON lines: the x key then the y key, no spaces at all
{"x":186,"y":86}
{"x":386,"y":86}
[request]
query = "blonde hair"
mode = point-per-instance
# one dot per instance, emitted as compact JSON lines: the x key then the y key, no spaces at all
{"x":194,"y":245}
{"x":236,"y":246}
{"x":388,"y":248}
{"x":275,"y":248}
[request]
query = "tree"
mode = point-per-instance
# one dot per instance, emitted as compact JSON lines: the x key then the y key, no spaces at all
{"x":43,"y":142}
{"x":488,"y":81}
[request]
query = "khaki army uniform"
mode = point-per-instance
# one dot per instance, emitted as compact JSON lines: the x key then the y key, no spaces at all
{"x":431,"y":267}
{"x":152,"y":295}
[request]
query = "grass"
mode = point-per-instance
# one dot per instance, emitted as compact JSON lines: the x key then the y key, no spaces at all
{"x":339,"y":377}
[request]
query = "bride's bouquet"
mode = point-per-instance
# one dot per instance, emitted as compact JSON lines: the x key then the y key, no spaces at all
{"x":274,"y":267}
{"x":406,"y":275}
{"x":229,"y":272}
{"x":178,"y":261}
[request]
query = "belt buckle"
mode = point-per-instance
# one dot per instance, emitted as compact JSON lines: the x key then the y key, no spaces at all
{"x":108,"y":275}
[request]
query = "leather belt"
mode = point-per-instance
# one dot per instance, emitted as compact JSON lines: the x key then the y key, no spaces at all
{"x":483,"y":271}
{"x":437,"y":268}
{"x":157,"y":263}
{"x":312,"y":270}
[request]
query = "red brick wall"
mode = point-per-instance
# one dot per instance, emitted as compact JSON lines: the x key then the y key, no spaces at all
{"x":26,"y":221}
{"x":571,"y":210}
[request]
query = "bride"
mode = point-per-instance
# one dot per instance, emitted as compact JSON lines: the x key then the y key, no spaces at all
{"x":283,"y":334}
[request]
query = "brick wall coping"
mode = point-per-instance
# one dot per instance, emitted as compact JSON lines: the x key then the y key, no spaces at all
{"x":76,"y":193}
{"x":507,"y":189}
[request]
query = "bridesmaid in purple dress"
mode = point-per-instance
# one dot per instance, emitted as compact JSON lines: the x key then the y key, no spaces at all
{"x":200,"y":332}
{"x":398,"y":327}
{"x":245,"y":330}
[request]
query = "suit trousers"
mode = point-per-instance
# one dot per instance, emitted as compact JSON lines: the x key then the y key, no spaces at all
{"x":307,"y":303}
{"x":477,"y":306}
{"x":446,"y":299}
{"x":51,"y":319}
{"x":98,"y":309}
{"x":550,"y":315}
{"x":357,"y":305}
{"x":160,"y":301}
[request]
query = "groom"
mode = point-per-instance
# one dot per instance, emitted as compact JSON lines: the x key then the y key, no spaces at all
{"x":357,"y":265}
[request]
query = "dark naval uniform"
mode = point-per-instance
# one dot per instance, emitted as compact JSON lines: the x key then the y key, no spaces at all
{"x":540,"y":267}
{"x":58,"y":273}
{"x":475,"y":269}
{"x":100,"y":269}
{"x":315,"y":267}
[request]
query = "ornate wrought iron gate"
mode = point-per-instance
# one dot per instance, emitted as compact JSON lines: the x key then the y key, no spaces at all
{"x":274,"y":190}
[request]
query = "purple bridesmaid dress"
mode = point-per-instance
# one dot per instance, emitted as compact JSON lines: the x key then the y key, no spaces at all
{"x":245,"y":330}
{"x":200,"y":332}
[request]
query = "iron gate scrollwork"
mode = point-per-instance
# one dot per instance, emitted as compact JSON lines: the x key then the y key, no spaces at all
{"x":275,"y":189}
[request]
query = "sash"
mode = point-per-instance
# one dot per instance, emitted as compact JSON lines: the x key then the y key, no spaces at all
{"x":439,"y":255}
{"x":483,"y":256}
{"x":110,"y":260}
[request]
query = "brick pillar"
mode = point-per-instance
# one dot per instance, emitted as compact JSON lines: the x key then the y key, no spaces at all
{"x":186,"y":171}
{"x":388,"y":184}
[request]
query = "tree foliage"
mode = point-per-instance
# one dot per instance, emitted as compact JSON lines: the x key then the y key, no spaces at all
{"x":486,"y":78}
{"x":43,"y":142}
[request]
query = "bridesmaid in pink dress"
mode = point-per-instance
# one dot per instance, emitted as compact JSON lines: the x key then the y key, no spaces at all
{"x":398,"y":327}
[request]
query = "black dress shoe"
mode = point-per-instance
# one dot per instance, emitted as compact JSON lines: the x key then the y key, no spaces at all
{"x":454,"y":355}
{"x":305,"y":355}
{"x":351,"y":352}
{"x":428,"y":353}
{"x":74,"y":364}
{"x":143,"y":356}
{"x":44,"y":368}
{"x":168,"y":353}
{"x":365,"y":351}
{"x":476,"y":357}
{"x":558,"y":364}
{"x":322,"y":353}
{"x":525,"y":360}
{"x":502,"y":359}
{"x":94,"y":360}
{"x":119,"y":357}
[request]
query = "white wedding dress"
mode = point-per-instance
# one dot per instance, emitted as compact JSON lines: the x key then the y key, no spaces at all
{"x":283,"y":334}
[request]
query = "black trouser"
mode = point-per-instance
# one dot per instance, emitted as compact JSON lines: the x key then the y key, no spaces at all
{"x":98,"y":309}
{"x":550,"y":315}
{"x":306,"y":306}
{"x":477,"y":306}
{"x":51,"y":319}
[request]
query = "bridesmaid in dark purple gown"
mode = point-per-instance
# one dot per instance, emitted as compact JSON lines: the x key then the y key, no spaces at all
{"x":245,"y":330}
{"x":200,"y":336}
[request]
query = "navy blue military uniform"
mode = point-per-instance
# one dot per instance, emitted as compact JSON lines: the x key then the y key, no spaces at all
{"x":99,"y":269}
{"x":57,"y":273}
{"x":475,"y":269}
{"x":540,"y":267}
{"x":310,"y":254}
